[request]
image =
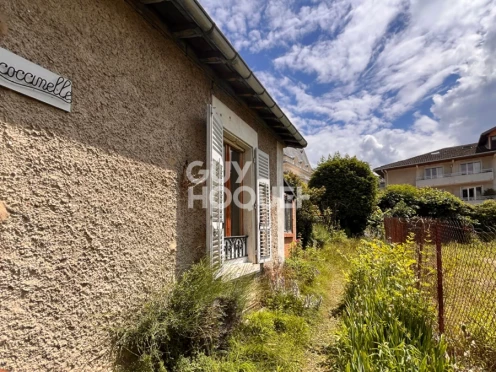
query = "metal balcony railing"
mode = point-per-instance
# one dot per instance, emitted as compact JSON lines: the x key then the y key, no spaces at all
{"x":479,"y":198}
{"x":454,"y":174}
{"x":235,"y":247}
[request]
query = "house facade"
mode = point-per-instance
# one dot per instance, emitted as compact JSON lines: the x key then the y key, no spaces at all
{"x":466,"y":171}
{"x":120,"y":121}
{"x":296,"y":161}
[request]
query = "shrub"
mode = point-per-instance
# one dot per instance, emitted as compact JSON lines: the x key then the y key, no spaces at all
{"x":320,"y":236}
{"x":350,"y":191}
{"x":485,"y":214}
{"x":387,"y":323}
{"x":441,"y":204}
{"x":408,"y":201}
{"x":198,"y":315}
{"x":394,"y":194}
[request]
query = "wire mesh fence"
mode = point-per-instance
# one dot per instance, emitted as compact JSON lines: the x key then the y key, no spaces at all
{"x":456,"y":265}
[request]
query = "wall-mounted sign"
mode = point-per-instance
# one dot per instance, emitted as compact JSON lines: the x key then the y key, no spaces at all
{"x":25,"y":77}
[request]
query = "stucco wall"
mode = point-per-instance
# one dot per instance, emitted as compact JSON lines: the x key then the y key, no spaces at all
{"x":402,"y":176}
{"x":98,"y":209}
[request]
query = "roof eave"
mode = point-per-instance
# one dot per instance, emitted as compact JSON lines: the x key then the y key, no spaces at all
{"x":224,"y":53}
{"x":437,"y":161}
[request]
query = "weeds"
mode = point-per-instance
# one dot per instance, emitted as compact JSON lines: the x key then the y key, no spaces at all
{"x":201,"y":323}
{"x":198,"y":316}
{"x":387,"y":323}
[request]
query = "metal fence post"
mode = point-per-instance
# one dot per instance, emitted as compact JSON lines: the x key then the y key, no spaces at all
{"x":439,"y":267}
{"x":420,"y":251}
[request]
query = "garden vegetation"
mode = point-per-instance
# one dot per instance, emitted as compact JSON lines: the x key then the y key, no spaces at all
{"x":387,"y":324}
{"x":203,"y":322}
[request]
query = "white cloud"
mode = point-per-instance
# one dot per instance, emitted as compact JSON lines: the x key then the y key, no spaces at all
{"x":277,"y":22}
{"x":382,"y":147}
{"x":343,"y":59}
{"x":345,"y":86}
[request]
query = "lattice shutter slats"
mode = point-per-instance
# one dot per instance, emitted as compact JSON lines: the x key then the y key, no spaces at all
{"x":215,"y":184}
{"x":264,"y":240}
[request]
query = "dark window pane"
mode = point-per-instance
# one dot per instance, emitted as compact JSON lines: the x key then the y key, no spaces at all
{"x":288,"y":217}
{"x":236,"y":222}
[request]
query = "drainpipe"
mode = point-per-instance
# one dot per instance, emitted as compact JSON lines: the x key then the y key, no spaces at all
{"x":213,"y":33}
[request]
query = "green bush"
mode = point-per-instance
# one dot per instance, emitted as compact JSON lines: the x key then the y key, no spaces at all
{"x":387,"y":324}
{"x":393,"y":194}
{"x":350,"y":191}
{"x":198,"y":315}
{"x":320,"y":236}
{"x":301,"y":270}
{"x":485,"y":214}
{"x":409,"y":201}
{"x":441,"y":204}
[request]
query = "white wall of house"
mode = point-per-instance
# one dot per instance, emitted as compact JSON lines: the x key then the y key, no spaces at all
{"x":452,"y":178}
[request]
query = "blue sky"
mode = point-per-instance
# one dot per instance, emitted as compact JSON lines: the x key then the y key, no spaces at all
{"x":380,"y":79}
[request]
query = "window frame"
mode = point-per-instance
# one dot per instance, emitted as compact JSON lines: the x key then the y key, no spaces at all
{"x":474,"y":188}
{"x":438,"y":174}
{"x":466,"y":172}
{"x":288,"y":201}
{"x":492,"y":142}
{"x":228,"y":184}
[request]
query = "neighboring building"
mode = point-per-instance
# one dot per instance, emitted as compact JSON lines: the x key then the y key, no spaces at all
{"x":296,"y":161}
{"x":466,"y":171}
{"x":94,"y":198}
{"x":290,"y":233}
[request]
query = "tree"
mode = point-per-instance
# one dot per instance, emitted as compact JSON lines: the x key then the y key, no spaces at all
{"x":351,"y":190}
{"x":308,"y":213}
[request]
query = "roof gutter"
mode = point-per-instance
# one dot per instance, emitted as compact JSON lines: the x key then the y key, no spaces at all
{"x":213,"y":33}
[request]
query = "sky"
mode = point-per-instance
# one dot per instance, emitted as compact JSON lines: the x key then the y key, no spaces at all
{"x":383,"y":80}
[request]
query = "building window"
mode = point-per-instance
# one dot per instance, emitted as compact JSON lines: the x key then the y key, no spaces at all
{"x":470,"y":168}
{"x":288,"y":213}
{"x":472,"y":193}
{"x":493,"y":143}
{"x":431,"y":173}
{"x":233,"y":213}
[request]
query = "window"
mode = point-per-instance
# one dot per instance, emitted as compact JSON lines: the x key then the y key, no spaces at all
{"x":431,"y":173}
{"x":288,"y":213}
{"x":470,"y":168}
{"x":472,"y":193}
{"x":233,"y":213}
{"x":493,"y":143}
{"x":238,"y":233}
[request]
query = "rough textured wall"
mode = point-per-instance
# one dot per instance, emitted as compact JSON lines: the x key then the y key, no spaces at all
{"x":97,"y":212}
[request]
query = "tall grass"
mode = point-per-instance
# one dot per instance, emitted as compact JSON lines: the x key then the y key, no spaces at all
{"x":198,"y":315}
{"x":386,"y":323}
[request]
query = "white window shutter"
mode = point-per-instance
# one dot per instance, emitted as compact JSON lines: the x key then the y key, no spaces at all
{"x":215,"y":187}
{"x":264,"y":240}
